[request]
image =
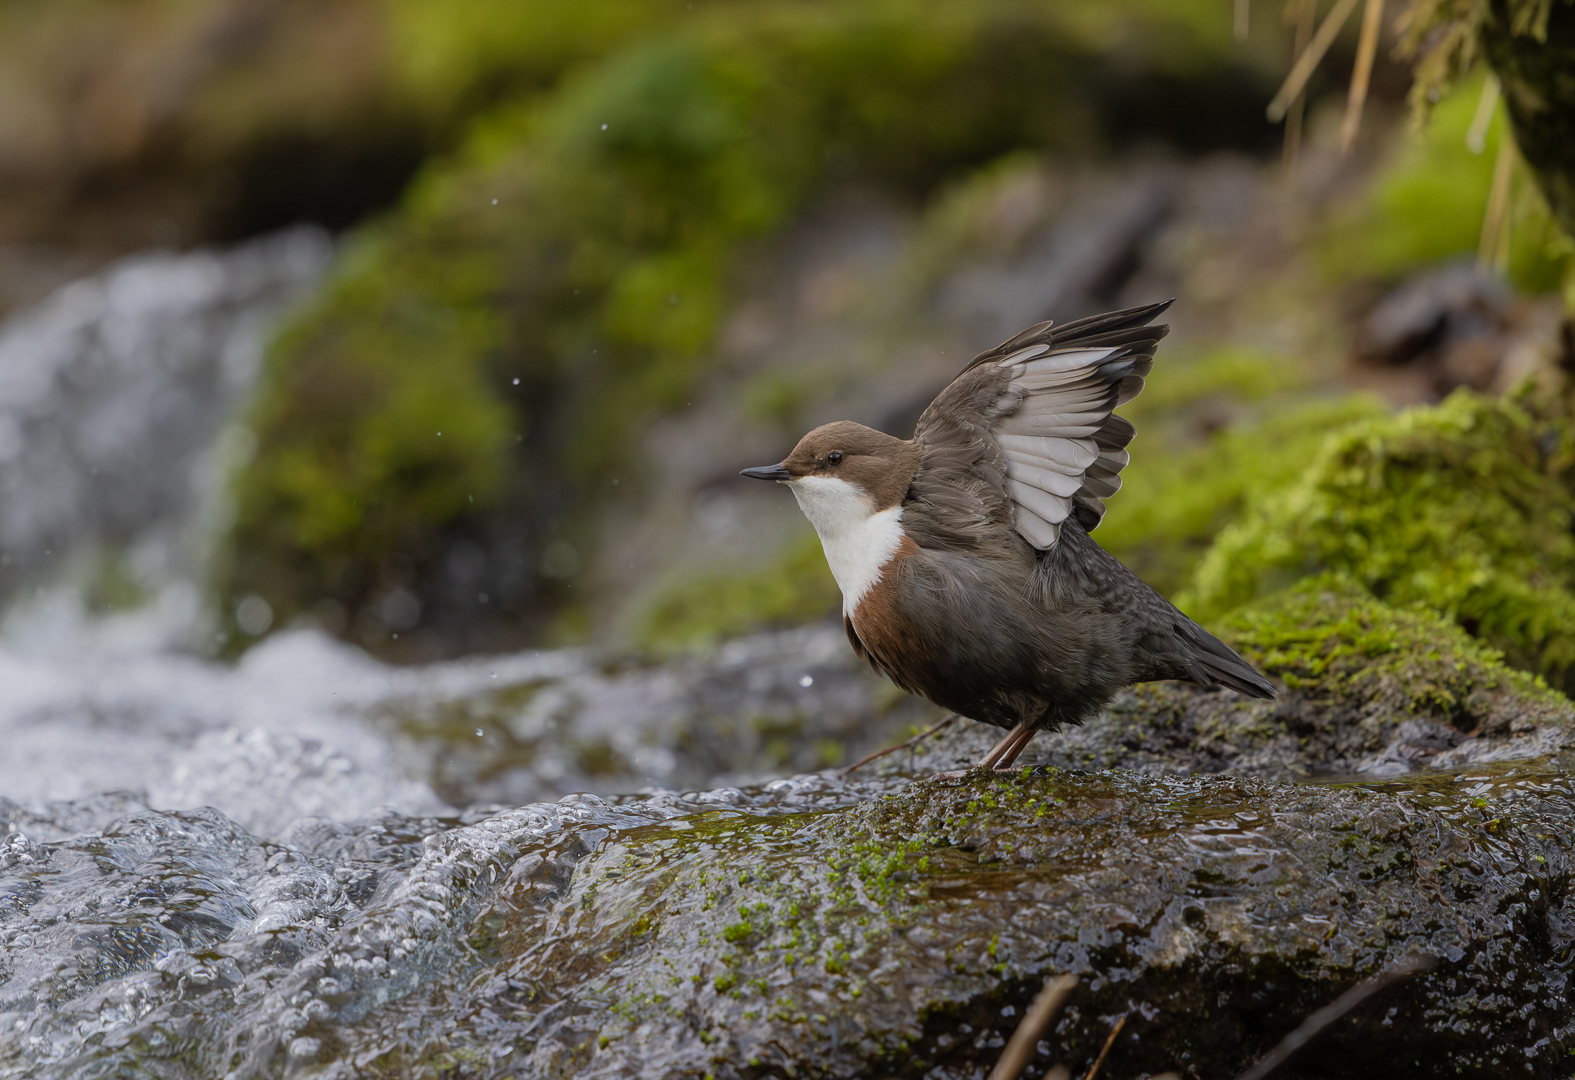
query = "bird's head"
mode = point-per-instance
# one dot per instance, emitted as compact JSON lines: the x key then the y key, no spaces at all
{"x":845,"y":471}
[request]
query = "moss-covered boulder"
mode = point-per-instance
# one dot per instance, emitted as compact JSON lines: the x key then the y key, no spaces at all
{"x":1464,"y":508}
{"x":1367,"y":690}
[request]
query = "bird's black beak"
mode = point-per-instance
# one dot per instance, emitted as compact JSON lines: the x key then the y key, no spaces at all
{"x":768,"y":472}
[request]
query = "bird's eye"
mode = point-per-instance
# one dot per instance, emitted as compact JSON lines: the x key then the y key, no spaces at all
{"x":835,"y":457}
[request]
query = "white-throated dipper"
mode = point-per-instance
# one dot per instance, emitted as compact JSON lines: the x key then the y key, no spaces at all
{"x":967,"y":573}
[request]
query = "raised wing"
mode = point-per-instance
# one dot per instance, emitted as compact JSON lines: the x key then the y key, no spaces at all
{"x":1028,"y":427}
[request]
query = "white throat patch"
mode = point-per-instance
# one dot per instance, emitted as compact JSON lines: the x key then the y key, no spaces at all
{"x":857,"y":540}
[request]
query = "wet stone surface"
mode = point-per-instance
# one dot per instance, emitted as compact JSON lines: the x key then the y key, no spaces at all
{"x":810,"y":927}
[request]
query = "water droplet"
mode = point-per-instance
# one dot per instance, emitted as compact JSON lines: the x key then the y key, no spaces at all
{"x":480,"y":734}
{"x":516,"y":380}
{"x":494,"y":202}
{"x":807,"y":681}
{"x":254,"y":616}
{"x":604,"y":127}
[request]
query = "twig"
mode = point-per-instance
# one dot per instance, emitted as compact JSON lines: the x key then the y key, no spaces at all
{"x":1314,"y":1025}
{"x":1302,"y":70}
{"x":1020,"y":1047}
{"x":1361,"y":75}
{"x":1242,"y":13}
{"x":920,"y":737}
{"x":1120,"y":1023}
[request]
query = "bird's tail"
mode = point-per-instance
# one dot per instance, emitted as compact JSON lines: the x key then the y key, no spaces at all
{"x":1222,"y":665}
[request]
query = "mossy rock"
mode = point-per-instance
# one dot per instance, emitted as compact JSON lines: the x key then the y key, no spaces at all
{"x":909,"y":933}
{"x":1464,"y":508}
{"x":1174,"y":500}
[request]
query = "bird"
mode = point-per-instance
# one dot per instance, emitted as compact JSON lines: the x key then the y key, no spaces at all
{"x":968,"y":573}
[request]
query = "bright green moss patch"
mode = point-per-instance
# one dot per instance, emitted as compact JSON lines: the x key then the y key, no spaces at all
{"x":1464,"y":508}
{"x":1329,"y":639}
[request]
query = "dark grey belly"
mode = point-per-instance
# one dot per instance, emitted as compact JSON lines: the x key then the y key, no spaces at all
{"x":1002,"y":642}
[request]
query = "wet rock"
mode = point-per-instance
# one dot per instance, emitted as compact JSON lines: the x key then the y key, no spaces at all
{"x":758,"y":707}
{"x":1435,"y":310}
{"x":893,"y":923}
{"x":1449,"y":327}
{"x":1069,"y":269}
{"x":819,"y":928}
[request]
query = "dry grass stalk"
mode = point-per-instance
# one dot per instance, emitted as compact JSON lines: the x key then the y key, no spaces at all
{"x":1020,"y":1048}
{"x":1482,"y":119}
{"x":1305,"y":64}
{"x":1243,"y":14}
{"x":1361,"y":75}
{"x":1303,"y":13}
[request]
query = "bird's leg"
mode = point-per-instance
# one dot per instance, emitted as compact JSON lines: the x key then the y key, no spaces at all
{"x":1011,"y":745}
{"x":1008,"y":759}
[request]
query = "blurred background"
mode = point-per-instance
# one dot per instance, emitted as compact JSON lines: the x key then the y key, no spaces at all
{"x":409,"y":331}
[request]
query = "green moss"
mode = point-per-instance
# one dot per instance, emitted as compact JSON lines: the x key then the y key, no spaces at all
{"x":1328,"y":638}
{"x":1464,"y":507}
{"x":372,"y":425}
{"x":1428,"y":204}
{"x":450,"y":58}
{"x":557,"y":282}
